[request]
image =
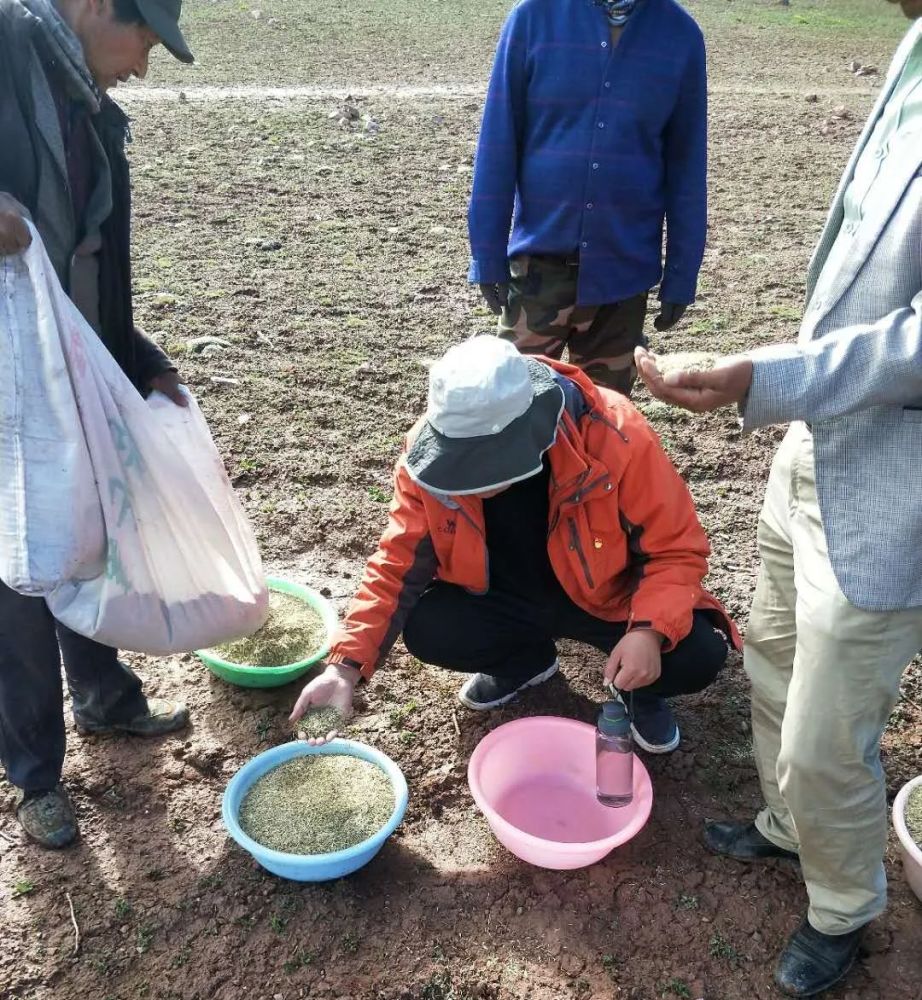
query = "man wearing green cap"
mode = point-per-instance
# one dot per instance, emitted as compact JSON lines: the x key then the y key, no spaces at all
{"x":63,"y":166}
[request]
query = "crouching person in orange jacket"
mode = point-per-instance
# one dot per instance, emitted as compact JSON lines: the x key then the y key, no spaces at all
{"x":531,"y":505}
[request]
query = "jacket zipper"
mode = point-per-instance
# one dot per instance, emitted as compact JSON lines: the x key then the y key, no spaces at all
{"x":583,"y":490}
{"x":486,"y":551}
{"x":575,"y":544}
{"x":604,"y":420}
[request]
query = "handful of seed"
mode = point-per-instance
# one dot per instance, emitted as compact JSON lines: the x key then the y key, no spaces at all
{"x":317,"y":803}
{"x":294,"y":631}
{"x":914,"y":815}
{"x":686,"y":361}
{"x":317,"y":722}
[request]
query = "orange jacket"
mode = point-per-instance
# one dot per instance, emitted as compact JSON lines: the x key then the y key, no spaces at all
{"x":624,"y":538}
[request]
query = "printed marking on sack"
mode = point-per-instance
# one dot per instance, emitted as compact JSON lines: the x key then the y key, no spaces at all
{"x":115,"y":570}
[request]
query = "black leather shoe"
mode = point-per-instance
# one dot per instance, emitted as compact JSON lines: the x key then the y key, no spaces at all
{"x":743,"y":842}
{"x":812,"y":962}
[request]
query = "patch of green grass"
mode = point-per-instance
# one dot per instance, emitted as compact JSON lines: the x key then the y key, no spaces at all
{"x":792,"y":313}
{"x":300,"y":959}
{"x":720,"y":947}
{"x":278,"y":923}
{"x":611,"y":964}
{"x":398,"y":716}
{"x":23,"y":887}
{"x":350,"y":942}
{"x":122,"y":909}
{"x":676,"y":988}
{"x":104,"y":964}
{"x":821,"y":18}
{"x":181,"y":957}
{"x":249,"y":465}
{"x":439,"y":986}
{"x":213,"y":881}
{"x":378,"y":495}
{"x":687,"y":901}
{"x":263,"y":729}
{"x":144,"y":938}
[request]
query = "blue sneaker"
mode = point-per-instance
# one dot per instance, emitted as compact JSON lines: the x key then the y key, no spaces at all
{"x":484,"y":691}
{"x":653,"y":725}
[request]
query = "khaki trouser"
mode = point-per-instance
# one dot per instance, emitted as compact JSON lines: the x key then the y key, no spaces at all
{"x":825,"y":676}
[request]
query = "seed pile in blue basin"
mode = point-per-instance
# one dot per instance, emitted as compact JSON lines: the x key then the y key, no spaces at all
{"x":317,"y":804}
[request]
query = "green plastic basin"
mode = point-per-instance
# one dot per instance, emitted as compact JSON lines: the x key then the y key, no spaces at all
{"x":244,"y":675}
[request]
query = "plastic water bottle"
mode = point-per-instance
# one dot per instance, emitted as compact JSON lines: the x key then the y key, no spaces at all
{"x":614,"y":756}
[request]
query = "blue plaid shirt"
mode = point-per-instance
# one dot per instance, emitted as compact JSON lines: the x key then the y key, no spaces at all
{"x":588,"y":149}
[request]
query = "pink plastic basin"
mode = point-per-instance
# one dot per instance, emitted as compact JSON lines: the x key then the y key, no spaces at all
{"x":534,"y":780}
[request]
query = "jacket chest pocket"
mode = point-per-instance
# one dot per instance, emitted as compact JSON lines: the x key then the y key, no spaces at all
{"x":598,"y":547}
{"x":461,"y":551}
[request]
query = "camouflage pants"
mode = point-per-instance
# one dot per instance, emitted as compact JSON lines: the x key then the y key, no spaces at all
{"x":542,"y":317}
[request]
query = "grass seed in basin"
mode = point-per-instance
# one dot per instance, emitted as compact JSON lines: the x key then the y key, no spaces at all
{"x":317,"y":804}
{"x":293,"y":632}
{"x":914,"y":815}
{"x":301,"y":630}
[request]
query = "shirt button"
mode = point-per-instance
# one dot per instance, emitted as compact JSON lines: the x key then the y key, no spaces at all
{"x":604,"y":45}
{"x":595,"y":166}
{"x":584,"y":244}
{"x":601,"y":124}
{"x":589,"y":205}
{"x":607,"y":84}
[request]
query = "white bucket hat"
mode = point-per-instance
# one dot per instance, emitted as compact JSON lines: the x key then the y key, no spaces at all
{"x":492,"y":415}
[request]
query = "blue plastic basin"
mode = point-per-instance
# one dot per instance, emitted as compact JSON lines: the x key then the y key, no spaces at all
{"x":312,"y":867}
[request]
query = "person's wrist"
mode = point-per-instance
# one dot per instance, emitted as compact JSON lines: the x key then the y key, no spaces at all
{"x":351,"y":674}
{"x":655,"y":636}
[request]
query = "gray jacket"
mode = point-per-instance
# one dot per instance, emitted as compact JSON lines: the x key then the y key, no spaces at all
{"x":856,"y":377}
{"x":91,"y":255}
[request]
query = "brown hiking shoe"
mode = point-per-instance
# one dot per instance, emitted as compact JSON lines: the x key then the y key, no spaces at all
{"x":48,"y":817}
{"x":162,"y":717}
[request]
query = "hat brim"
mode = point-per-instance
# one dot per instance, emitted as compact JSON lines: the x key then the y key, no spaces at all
{"x":166,"y":29}
{"x":461,"y":466}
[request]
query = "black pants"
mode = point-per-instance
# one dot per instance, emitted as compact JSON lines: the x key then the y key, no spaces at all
{"x":507,"y":635}
{"x":102,"y":689}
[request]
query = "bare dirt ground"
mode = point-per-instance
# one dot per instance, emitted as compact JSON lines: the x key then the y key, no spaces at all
{"x":332,"y":260}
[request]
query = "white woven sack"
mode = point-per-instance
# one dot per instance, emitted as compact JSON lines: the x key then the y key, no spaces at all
{"x":175,"y":565}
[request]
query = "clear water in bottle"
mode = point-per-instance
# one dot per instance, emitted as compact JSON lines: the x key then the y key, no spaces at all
{"x":614,"y":756}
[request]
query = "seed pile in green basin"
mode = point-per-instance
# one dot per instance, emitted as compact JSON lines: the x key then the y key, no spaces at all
{"x":318,"y":722}
{"x":914,"y":814}
{"x":293,"y":632}
{"x":317,"y":803}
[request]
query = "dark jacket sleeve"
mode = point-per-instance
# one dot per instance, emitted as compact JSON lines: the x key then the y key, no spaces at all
{"x":685,"y":149}
{"x":497,"y":160}
{"x":149,"y":359}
